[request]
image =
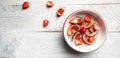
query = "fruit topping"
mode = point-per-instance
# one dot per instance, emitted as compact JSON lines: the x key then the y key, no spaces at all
{"x":72,"y":29}
{"x":91,"y":32}
{"x":45,"y":23}
{"x":25,"y":5}
{"x":96,"y":26}
{"x":76,"y":20}
{"x":77,"y":39}
{"x":87,"y":19}
{"x":60,"y":11}
{"x":88,"y":39}
{"x":49,"y":4}
{"x":83,"y":30}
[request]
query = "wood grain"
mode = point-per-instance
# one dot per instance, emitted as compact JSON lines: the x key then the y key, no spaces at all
{"x":13,"y":18}
{"x":60,"y":2}
{"x":46,"y":44}
{"x":23,"y":36}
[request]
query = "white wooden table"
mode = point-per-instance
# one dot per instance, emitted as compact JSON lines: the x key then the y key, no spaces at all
{"x":22,"y":34}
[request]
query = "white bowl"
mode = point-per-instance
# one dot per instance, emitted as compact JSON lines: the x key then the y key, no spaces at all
{"x":100,"y":36}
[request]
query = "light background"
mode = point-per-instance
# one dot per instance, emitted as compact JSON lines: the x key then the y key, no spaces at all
{"x":23,"y":36}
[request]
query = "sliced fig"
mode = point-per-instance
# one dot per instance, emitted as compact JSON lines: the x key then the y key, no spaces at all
{"x":88,"y":24}
{"x":60,"y":11}
{"x":91,"y":32}
{"x":77,"y":39}
{"x":75,"y":27}
{"x":69,"y":31}
{"x":96,"y":26}
{"x":72,"y":29}
{"x":78,"y":42}
{"x":76,"y":20}
{"x":88,"y":39}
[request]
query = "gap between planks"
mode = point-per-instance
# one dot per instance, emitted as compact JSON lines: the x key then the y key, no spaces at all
{"x":46,"y":31}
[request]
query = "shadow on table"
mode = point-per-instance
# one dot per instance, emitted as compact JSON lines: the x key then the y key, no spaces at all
{"x":71,"y":51}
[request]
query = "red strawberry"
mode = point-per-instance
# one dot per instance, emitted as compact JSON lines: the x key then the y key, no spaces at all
{"x":25,"y":5}
{"x":49,"y":4}
{"x":91,"y":39}
{"x":83,"y":30}
{"x":87,"y":19}
{"x":45,"y":23}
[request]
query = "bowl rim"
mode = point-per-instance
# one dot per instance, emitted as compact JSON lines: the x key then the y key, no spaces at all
{"x":88,"y":10}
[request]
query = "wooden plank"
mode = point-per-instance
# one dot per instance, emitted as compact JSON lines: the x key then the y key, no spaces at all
{"x":13,"y":18}
{"x":84,"y":2}
{"x":59,"y":2}
{"x":51,"y":44}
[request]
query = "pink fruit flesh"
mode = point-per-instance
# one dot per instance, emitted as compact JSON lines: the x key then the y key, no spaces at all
{"x":77,"y":39}
{"x":76,"y":20}
{"x":96,"y":26}
{"x":88,"y":33}
{"x":88,"y":39}
{"x":72,"y":29}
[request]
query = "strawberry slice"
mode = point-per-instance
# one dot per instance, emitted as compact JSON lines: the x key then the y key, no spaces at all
{"x":45,"y":23}
{"x":76,"y":20}
{"x":87,"y":19}
{"x":25,"y":5}
{"x":91,"y":39}
{"x":49,"y":4}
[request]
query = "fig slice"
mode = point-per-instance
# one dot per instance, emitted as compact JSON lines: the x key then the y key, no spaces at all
{"x":77,"y":39}
{"x":88,"y":21}
{"x":91,"y":32}
{"x":96,"y":26}
{"x":72,"y":29}
{"x":76,"y":20}
{"x":60,"y":11}
{"x":88,"y":25}
{"x":78,"y":42}
{"x":69,"y":31}
{"x":88,"y":39}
